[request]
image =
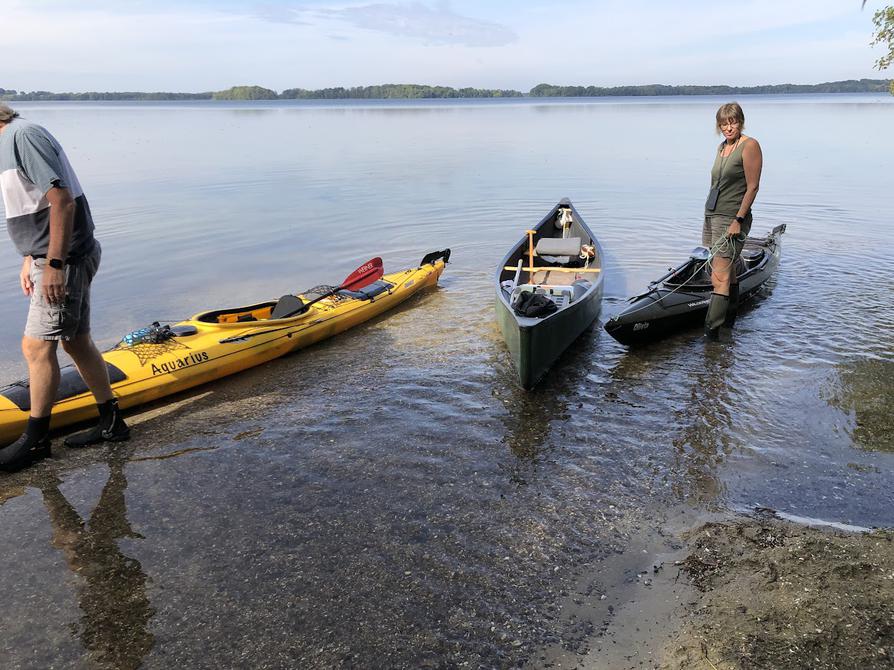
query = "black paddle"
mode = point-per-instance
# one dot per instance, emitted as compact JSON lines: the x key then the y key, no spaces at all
{"x":365,"y":275}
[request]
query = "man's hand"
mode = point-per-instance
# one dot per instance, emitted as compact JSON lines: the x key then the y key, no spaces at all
{"x":52,"y":284}
{"x":25,"y":277}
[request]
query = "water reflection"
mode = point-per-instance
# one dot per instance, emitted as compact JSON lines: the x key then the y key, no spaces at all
{"x":111,"y":585}
{"x":706,"y":421}
{"x":531,"y":415}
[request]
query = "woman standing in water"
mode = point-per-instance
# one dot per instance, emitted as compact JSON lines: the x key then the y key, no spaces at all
{"x":735,"y":179}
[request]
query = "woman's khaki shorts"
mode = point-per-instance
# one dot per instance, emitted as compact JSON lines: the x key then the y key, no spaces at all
{"x":72,"y":317}
{"x":716,"y":226}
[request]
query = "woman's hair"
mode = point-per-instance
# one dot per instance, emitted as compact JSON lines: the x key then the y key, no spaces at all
{"x":731,"y":111}
{"x":7,"y":113}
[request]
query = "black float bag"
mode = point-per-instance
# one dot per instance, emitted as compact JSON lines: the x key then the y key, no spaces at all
{"x":532,"y":304}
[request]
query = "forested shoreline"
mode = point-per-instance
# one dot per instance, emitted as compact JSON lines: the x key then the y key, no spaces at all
{"x":421,"y":91}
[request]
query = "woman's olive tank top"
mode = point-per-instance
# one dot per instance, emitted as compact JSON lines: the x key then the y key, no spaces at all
{"x":728,"y":173}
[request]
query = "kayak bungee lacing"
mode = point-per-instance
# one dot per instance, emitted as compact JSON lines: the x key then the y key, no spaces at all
{"x":714,"y":250}
{"x":324,"y":289}
{"x":149,"y":342}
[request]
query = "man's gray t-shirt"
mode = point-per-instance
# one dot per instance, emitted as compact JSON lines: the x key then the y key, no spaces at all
{"x":31,"y":163}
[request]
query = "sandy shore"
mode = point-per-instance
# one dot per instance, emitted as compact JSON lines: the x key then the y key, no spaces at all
{"x":773,"y":594}
{"x":743,"y":593}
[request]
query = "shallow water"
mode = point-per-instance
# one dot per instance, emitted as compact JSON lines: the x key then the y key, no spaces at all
{"x":390,"y":497}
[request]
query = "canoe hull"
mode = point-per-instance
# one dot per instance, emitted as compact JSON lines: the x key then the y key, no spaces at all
{"x":216,"y":350}
{"x":535,"y":344}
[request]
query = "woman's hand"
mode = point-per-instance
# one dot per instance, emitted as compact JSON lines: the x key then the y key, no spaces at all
{"x":734,"y":228}
{"x":25,"y":276}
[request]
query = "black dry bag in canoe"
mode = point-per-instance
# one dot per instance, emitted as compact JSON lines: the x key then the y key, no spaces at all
{"x":534,"y":305}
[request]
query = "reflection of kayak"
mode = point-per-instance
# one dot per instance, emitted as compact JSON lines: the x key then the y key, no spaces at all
{"x":159,"y":360}
{"x":549,"y":290}
{"x":680,"y":298}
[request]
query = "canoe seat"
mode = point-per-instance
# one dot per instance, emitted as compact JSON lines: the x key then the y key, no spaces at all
{"x":288,"y":305}
{"x":558,"y":250}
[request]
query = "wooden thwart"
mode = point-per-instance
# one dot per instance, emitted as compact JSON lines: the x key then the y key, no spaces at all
{"x":554,"y":269}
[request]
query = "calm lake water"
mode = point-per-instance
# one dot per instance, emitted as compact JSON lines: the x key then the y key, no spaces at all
{"x":390,"y":498}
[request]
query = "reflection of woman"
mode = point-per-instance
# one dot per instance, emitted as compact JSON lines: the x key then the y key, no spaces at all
{"x":735,"y":178}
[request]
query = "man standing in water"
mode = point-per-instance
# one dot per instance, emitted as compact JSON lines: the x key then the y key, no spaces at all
{"x":49,"y":221}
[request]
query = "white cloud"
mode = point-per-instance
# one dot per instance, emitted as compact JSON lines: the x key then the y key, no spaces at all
{"x":415,"y":20}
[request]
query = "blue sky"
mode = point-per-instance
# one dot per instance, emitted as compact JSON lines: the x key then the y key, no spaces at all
{"x":201,"y":45}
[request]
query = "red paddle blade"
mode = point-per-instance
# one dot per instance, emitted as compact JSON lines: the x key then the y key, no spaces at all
{"x":364,"y":275}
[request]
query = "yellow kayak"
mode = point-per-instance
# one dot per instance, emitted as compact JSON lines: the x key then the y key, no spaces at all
{"x":157,"y":361}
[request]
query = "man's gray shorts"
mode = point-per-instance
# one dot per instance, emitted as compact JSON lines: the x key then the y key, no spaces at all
{"x":716,"y":226}
{"x":72,"y":317}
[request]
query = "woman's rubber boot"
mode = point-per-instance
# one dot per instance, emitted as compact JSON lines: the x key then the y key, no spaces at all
{"x":733,"y":309}
{"x":111,"y":428}
{"x":32,"y":445}
{"x":716,"y":315}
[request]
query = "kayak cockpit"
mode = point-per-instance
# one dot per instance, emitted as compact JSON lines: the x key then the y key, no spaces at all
{"x":697,"y":270}
{"x":258,"y":312}
{"x":293,"y":306}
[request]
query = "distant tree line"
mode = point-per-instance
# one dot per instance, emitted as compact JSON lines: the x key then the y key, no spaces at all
{"x":400,"y":91}
{"x":421,"y":91}
{"x":12,"y":95}
{"x":848,"y":86}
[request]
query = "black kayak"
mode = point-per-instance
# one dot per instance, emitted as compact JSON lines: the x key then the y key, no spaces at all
{"x":680,"y":298}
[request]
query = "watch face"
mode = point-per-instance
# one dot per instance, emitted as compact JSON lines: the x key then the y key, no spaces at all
{"x":55,"y":263}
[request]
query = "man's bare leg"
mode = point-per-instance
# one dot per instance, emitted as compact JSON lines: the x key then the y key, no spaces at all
{"x":111,"y":426}
{"x":43,"y":371}
{"x":91,"y":365}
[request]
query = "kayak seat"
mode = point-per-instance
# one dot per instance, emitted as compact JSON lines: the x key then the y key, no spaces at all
{"x":288,"y":305}
{"x":751,"y":256}
{"x":368,"y":292}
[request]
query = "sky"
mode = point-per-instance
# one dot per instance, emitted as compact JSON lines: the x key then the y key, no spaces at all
{"x":205,"y":45}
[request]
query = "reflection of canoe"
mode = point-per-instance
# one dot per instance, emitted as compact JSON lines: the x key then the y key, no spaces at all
{"x":680,"y":298}
{"x":157,"y":361}
{"x":565,"y":269}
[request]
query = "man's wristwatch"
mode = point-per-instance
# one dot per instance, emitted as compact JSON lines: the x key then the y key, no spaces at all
{"x":57,"y":263}
{"x":740,"y":219}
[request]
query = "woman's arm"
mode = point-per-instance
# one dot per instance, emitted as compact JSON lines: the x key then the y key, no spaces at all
{"x":753,"y":162}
